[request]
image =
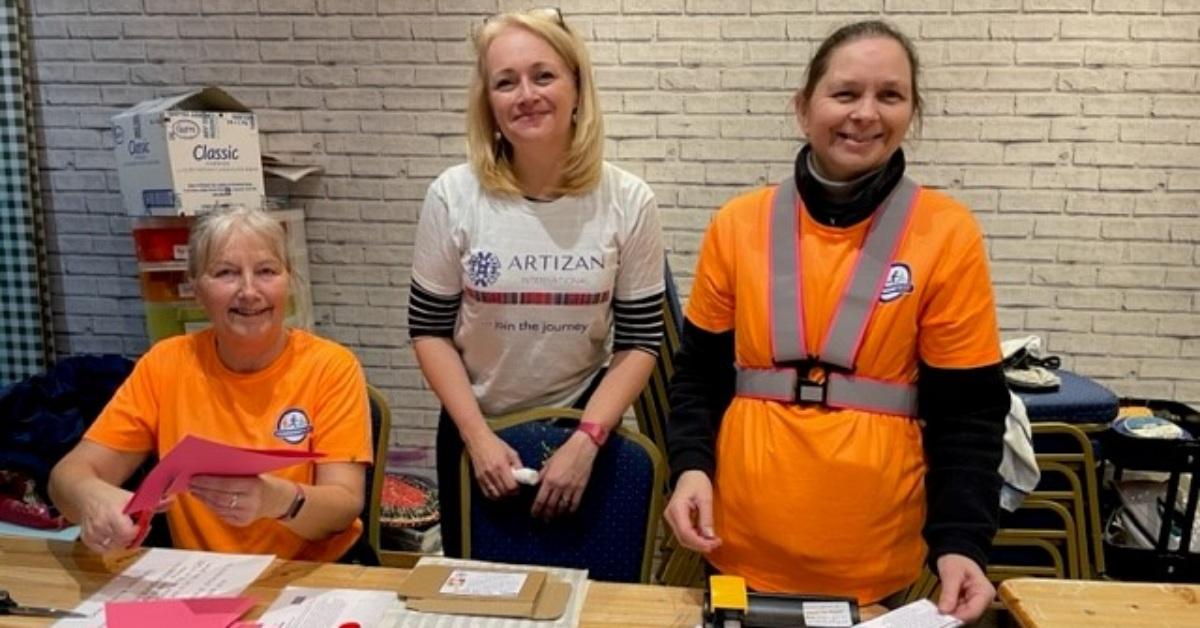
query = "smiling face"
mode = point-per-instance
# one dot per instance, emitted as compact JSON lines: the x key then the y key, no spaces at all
{"x":244,"y":288}
{"x":531,"y":91}
{"x":860,"y":109}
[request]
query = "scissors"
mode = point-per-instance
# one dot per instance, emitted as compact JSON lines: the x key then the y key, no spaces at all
{"x":9,"y":606}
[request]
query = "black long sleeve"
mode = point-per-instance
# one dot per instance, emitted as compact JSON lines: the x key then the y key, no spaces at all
{"x":699,"y":393}
{"x":964,"y":412}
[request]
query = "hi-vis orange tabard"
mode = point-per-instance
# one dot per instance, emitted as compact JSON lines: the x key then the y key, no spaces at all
{"x":313,"y":397}
{"x":809,"y":498}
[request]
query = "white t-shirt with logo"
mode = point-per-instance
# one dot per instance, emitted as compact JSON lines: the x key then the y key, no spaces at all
{"x":537,"y":280}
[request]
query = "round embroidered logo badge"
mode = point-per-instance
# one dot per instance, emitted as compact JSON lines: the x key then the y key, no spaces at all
{"x":293,"y":426}
{"x":897,"y":284}
{"x":483,"y":267}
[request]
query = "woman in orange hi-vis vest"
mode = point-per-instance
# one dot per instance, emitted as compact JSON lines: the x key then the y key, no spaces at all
{"x":838,"y":405}
{"x":247,"y":381}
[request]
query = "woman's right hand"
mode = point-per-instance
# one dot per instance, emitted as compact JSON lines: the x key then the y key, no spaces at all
{"x":689,"y":513}
{"x":493,"y":461}
{"x":103,"y":524}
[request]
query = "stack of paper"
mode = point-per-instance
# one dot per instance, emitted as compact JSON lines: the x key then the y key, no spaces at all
{"x":304,"y":607}
{"x":176,"y":575}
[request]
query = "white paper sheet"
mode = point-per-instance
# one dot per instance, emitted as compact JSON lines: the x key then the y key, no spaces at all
{"x":918,"y":614}
{"x":401,"y":617}
{"x":306,"y":607}
{"x":166,"y":573}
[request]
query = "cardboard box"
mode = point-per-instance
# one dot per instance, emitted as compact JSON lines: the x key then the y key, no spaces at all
{"x":182,"y":154}
{"x":500,"y":592}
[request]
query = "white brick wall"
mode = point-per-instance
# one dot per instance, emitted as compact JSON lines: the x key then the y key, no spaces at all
{"x":1072,"y":127}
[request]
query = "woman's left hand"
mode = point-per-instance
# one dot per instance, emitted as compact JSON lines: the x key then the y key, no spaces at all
{"x":966,"y":591}
{"x":239,"y":500}
{"x":564,"y":477}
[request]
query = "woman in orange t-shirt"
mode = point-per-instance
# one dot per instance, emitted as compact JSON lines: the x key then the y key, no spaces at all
{"x":796,"y":490}
{"x":248,"y":381}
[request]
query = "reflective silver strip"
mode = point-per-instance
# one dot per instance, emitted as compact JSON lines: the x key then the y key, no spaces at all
{"x":873,"y":395}
{"x":845,"y":333}
{"x":846,"y":330}
{"x":773,"y":384}
{"x":786,"y":313}
{"x":842,"y":391}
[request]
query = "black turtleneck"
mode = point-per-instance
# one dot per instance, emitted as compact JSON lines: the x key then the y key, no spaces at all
{"x":963,"y":409}
{"x":859,"y":206}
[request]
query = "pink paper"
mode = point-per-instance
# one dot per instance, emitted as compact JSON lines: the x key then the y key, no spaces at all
{"x":198,"y":612}
{"x":197,"y":456}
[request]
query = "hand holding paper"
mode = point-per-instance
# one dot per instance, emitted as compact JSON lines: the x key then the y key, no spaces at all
{"x":197,"y":456}
{"x":241,"y":500}
{"x":104,"y":526}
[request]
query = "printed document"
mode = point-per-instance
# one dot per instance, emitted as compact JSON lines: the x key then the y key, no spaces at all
{"x":171,"y":573}
{"x":306,"y":607}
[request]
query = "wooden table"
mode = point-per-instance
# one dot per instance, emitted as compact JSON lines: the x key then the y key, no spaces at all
{"x":1039,"y":603}
{"x":55,"y":573}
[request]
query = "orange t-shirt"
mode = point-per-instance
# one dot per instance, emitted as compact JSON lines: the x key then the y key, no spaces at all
{"x":313,"y":397}
{"x":811,"y":499}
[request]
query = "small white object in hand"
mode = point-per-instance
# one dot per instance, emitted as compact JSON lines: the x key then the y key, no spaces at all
{"x":525,"y":476}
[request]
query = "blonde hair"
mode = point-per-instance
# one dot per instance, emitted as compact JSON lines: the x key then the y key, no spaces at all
{"x":213,"y":229}
{"x":491,"y":154}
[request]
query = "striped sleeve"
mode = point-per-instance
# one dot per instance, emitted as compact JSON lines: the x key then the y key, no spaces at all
{"x":430,"y":314}
{"x":638,"y":323}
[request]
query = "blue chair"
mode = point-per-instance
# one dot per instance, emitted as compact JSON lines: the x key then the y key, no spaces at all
{"x":613,"y":532}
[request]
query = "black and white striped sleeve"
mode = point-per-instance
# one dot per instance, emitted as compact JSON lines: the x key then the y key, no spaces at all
{"x":638,"y":324}
{"x":430,"y":314}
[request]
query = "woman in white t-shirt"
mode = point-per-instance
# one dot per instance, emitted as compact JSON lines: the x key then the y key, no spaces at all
{"x":537,"y":273}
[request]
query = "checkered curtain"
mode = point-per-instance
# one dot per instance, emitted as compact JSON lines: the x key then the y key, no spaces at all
{"x":25,"y":341}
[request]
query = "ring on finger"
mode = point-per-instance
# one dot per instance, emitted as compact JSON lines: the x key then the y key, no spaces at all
{"x":233,"y":501}
{"x":106,"y":541}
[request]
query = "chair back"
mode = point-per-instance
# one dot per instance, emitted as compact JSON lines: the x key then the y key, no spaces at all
{"x":651,"y":407}
{"x":381,"y":425}
{"x":613,"y":532}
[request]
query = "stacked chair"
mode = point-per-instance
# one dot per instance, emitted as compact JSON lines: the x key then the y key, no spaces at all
{"x":1066,"y":424}
{"x":1057,"y":532}
{"x":676,"y":565}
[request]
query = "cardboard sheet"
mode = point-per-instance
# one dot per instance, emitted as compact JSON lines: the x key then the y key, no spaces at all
{"x":498,"y":591}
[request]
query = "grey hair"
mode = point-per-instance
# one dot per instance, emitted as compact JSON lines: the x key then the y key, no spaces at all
{"x":212,"y":229}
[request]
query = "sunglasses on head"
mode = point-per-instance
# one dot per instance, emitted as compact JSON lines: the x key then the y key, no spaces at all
{"x":549,"y":13}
